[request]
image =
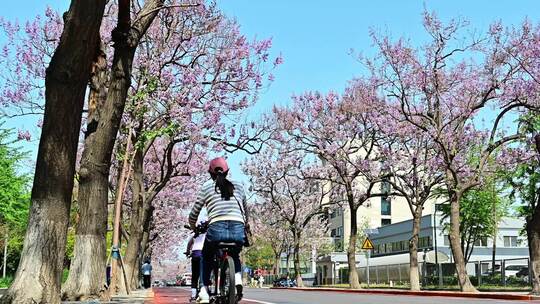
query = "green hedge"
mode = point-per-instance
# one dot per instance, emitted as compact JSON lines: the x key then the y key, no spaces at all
{"x":5,"y":282}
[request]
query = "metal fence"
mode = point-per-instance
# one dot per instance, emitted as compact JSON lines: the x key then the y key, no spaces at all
{"x":444,"y":274}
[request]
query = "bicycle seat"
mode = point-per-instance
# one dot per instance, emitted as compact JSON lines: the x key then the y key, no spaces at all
{"x":226,"y":244}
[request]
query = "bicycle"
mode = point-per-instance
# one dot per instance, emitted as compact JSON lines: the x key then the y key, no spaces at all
{"x":224,"y":288}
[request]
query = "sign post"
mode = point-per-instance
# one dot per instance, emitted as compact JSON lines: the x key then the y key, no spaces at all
{"x":367,"y":245}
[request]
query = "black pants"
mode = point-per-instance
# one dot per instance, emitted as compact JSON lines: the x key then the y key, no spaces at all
{"x":195,"y":271}
{"x":146,"y":280}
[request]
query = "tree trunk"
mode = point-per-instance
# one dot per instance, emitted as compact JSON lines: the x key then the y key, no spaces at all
{"x":455,"y":244}
{"x":277,"y":260}
{"x":288,"y":263}
{"x":414,"y":274}
{"x":140,"y":211}
{"x":494,"y":251}
{"x":533,"y":235}
{"x":533,"y":238}
{"x":40,"y":270}
{"x":296,"y":257}
{"x":354,"y":282}
{"x":86,"y":278}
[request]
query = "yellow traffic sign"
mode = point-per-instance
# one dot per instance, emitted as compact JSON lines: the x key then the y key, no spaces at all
{"x":367,"y":244}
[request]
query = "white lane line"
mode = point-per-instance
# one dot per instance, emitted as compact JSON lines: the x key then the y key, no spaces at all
{"x":257,"y":301}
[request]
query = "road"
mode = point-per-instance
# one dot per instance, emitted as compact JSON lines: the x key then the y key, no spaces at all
{"x":273,"y":296}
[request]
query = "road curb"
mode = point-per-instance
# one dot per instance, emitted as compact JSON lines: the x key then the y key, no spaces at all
{"x":479,"y":295}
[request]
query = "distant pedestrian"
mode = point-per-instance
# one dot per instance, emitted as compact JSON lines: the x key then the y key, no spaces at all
{"x":146,"y":270}
{"x":261,"y":281}
{"x":252,"y":281}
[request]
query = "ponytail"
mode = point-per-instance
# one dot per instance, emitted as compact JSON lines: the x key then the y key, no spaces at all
{"x":226,"y":188}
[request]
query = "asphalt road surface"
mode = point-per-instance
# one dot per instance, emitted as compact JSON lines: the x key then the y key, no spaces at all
{"x":274,"y":296}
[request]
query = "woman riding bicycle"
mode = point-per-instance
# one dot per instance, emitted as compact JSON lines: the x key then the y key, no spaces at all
{"x":225,"y":202}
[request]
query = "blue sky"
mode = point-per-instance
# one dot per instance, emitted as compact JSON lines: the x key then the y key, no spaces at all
{"x":315,"y":36}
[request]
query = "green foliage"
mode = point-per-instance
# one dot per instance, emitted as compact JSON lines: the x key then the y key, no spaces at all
{"x":5,"y":282}
{"x":260,"y":255}
{"x":14,"y":190}
{"x":14,"y":198}
{"x":481,"y":211}
{"x":525,"y":180}
{"x":65,"y":274}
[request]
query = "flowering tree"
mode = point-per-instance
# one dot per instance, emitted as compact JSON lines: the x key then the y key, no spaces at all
{"x":38,"y":276}
{"x":524,"y":46}
{"x":268,"y":228}
{"x":524,"y":181}
{"x":192,"y":69}
{"x":441,"y":89}
{"x":194,"y":75}
{"x":402,"y":145}
{"x":341,"y":133}
{"x":283,"y":181}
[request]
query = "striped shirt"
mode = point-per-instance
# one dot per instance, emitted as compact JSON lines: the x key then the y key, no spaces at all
{"x":218,"y":208}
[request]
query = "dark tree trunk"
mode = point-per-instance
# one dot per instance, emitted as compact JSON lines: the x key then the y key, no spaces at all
{"x":86,"y":278}
{"x":351,"y":250}
{"x":296,"y":258}
{"x":99,"y":144}
{"x":140,"y":211}
{"x":40,"y":269}
{"x":533,"y":238}
{"x":277,"y":260}
{"x":414,"y":274}
{"x":455,"y":244}
{"x":533,"y":234}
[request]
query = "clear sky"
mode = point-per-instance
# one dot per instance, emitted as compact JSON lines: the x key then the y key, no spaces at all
{"x":315,"y":36}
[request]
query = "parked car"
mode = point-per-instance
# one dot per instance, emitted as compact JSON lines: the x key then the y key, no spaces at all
{"x":512,"y":270}
{"x":284,"y":282}
{"x":185,"y":279}
{"x":509,"y":270}
{"x":523,"y":274}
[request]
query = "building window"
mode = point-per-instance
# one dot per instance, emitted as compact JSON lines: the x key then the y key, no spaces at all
{"x":424,"y":242}
{"x":338,"y":245}
{"x":386,"y":208}
{"x":385,"y":222}
{"x":339,"y":231}
{"x":385,"y":200}
{"x":510,"y":241}
{"x":481,"y":241}
{"x":446,"y":240}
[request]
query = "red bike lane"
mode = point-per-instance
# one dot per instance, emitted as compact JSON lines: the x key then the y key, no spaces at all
{"x":167,"y":295}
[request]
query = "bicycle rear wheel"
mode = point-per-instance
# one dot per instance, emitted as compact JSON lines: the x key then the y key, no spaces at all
{"x":227,"y":286}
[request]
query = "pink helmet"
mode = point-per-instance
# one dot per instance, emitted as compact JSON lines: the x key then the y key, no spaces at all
{"x":218,"y":163}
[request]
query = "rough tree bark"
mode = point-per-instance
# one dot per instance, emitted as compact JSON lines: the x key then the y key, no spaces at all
{"x":414,"y":274}
{"x":275,"y":267}
{"x":40,"y":269}
{"x":139,"y":212}
{"x":533,"y":237}
{"x":86,"y":278}
{"x":354,"y":282}
{"x":296,"y":260}
{"x":90,"y":252}
{"x":455,"y":244}
{"x":533,"y":234}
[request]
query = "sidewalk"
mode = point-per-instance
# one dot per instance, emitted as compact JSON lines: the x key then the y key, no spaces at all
{"x":523,"y":296}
